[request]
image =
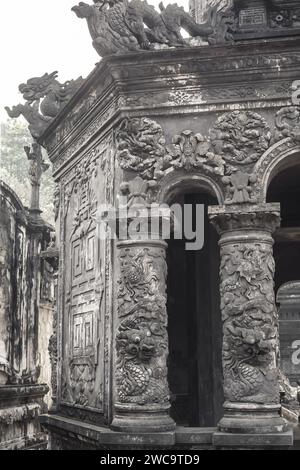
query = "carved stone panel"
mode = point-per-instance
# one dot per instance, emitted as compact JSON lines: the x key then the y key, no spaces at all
{"x":84,"y":339}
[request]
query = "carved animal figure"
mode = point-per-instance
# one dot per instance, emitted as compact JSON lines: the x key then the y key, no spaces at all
{"x":44,"y":97}
{"x":138,"y":346}
{"x":118,"y":26}
{"x":175,"y":19}
{"x":37,"y":122}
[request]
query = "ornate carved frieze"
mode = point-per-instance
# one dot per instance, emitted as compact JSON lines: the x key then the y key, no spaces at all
{"x":142,"y":340}
{"x":44,"y":97}
{"x":228,"y":154}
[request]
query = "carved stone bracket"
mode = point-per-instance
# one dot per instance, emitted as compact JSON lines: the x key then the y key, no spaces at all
{"x":250,"y":318}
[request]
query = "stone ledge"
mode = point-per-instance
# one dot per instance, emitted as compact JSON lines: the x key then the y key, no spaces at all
{"x":259,"y":441}
{"x":193,"y":436}
{"x":100,"y":436}
{"x":105,"y":436}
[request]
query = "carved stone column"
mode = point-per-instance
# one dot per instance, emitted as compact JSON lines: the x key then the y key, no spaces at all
{"x":141,"y":342}
{"x":250,"y":318}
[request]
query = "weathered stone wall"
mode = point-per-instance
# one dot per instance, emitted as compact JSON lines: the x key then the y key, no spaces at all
{"x":44,"y":334}
{"x":24,"y":357}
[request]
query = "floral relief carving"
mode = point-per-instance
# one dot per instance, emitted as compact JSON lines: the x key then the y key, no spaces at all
{"x":190,"y":150}
{"x":140,"y":144}
{"x":241,"y":137}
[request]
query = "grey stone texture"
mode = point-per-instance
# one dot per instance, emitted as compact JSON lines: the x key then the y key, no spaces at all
{"x":150,"y":124}
{"x":25,"y":294}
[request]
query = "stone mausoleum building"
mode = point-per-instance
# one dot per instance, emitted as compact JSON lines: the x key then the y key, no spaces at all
{"x":156,"y":346}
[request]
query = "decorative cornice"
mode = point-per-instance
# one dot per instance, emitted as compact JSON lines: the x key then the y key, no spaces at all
{"x":115,"y":77}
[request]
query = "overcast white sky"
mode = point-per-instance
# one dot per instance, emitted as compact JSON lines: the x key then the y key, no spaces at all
{"x":37,"y":37}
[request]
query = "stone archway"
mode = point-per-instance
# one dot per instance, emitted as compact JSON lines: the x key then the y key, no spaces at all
{"x":193,"y":306}
{"x":280,"y":156}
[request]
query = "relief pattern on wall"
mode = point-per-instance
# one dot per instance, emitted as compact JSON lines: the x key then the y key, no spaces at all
{"x":84,"y":327}
{"x":228,"y":154}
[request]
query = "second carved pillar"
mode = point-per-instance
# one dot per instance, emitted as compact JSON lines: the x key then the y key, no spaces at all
{"x":250,"y":318}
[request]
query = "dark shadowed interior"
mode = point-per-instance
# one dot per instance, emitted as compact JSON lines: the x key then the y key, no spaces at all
{"x":195,"y":328}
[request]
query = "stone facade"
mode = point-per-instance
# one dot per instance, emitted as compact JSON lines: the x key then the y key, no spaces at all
{"x":149,"y":124}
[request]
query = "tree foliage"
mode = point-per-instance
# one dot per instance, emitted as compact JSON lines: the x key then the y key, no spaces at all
{"x":14,"y":166}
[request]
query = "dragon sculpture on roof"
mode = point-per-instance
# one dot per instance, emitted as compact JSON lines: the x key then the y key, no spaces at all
{"x":44,"y":98}
{"x":120,"y":26}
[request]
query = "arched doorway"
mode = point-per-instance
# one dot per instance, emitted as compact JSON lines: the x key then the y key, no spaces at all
{"x":194,"y":324}
{"x":285,"y":188}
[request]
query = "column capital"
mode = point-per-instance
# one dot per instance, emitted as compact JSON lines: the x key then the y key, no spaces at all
{"x":264,"y":217}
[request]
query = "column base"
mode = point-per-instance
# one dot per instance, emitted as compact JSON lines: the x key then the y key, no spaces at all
{"x":248,"y":418}
{"x":129,"y":418}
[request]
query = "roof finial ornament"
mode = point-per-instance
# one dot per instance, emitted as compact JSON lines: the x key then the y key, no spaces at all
{"x":121,"y":26}
{"x":37,"y":167}
{"x":44,"y":98}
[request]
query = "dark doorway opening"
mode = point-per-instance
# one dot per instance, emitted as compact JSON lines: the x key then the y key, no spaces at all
{"x":195,"y":326}
{"x":285,"y":188}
